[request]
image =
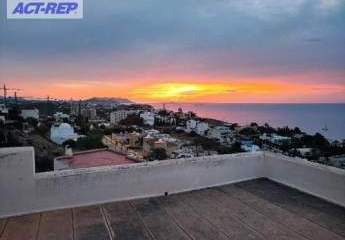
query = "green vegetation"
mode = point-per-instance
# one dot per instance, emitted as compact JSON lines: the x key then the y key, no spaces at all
{"x":158,"y":154}
{"x":131,"y":120}
{"x":91,"y":141}
{"x":212,"y":145}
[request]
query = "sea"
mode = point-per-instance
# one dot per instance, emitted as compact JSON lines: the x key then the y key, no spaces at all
{"x":327,"y":119}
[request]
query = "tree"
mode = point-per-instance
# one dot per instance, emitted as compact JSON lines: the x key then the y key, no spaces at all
{"x":90,"y":142}
{"x":132,"y":119}
{"x":32,"y":121}
{"x":158,"y":154}
{"x":247,"y":131}
{"x":43,"y":129}
{"x":236,"y":148}
{"x":70,"y":143}
{"x":296,"y":130}
{"x":205,"y":143}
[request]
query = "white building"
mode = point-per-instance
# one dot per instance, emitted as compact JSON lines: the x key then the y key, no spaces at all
{"x":59,"y":116}
{"x":222,"y":133}
{"x":166,"y":119}
{"x":90,"y":113}
{"x":275,"y":139}
{"x":338,"y":161}
{"x":250,"y":147}
{"x":202,"y":128}
{"x":3,"y":112}
{"x":117,"y":116}
{"x":279,"y":140}
{"x":148,"y":117}
{"x":30,"y":113}
{"x":59,"y":133}
{"x":191,"y":125}
{"x":197,"y":126}
{"x":304,"y":152}
{"x":3,"y":109}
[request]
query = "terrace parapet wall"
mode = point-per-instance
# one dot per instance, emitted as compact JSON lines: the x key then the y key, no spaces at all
{"x":24,"y":191}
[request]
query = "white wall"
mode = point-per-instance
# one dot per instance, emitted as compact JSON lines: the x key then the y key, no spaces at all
{"x":22,"y":191}
{"x":68,"y":188}
{"x":30,"y":113}
{"x":319,"y":180}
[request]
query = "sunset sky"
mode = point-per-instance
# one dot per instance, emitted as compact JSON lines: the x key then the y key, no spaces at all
{"x":182,"y":50}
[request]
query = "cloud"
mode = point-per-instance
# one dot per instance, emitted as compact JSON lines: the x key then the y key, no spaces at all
{"x":140,"y":41}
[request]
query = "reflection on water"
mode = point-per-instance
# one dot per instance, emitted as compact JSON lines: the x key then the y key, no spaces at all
{"x":311,"y":118}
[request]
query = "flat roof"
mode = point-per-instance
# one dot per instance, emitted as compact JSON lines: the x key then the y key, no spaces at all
{"x":95,"y":158}
{"x":256,"y":209}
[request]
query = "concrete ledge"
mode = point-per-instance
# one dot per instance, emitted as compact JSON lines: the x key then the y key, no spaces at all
{"x":322,"y":181}
{"x":23,"y":191}
{"x":80,"y":187}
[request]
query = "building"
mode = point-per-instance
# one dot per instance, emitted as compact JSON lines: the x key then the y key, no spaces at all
{"x":222,"y":134}
{"x":201,"y":128}
{"x":196,"y":126}
{"x":248,"y":146}
{"x":117,"y":116}
{"x":191,"y":125}
{"x":280,"y":140}
{"x":148,"y":145}
{"x":148,"y":118}
{"x":134,"y":140}
{"x":30,"y":113}
{"x":59,"y":133}
{"x":3,"y":109}
{"x":275,"y":139}
{"x":166,"y":119}
{"x":118,"y":142}
{"x":337,"y":161}
{"x":59,"y":116}
{"x":76,"y":108}
{"x":3,"y":112}
{"x":153,"y":139}
{"x":305,"y":152}
{"x":91,"y":158}
{"x":89,"y":113}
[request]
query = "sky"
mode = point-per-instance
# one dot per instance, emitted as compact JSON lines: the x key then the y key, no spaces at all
{"x":248,"y":51}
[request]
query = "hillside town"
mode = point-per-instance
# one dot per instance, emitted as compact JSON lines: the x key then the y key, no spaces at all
{"x":100,"y":131}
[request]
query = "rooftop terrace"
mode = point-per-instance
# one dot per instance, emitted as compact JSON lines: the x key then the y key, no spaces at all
{"x":87,"y":159}
{"x":255,"y":209}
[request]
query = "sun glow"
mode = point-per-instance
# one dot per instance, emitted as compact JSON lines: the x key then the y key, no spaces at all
{"x":228,"y":92}
{"x":181,"y":91}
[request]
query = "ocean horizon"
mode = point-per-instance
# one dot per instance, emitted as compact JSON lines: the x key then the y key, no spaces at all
{"x":309,"y":117}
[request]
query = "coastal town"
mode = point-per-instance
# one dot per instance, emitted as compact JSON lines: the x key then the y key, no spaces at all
{"x":106,"y":131}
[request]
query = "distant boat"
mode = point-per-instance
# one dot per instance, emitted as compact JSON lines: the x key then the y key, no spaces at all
{"x":325,"y":128}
